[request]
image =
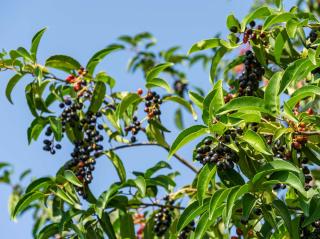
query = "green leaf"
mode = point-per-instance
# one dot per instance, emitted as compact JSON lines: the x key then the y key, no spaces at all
{"x":274,"y":166}
{"x":295,"y":71}
{"x":56,"y":127}
{"x":98,"y":96}
{"x":160,"y":165}
{"x":205,"y":44}
{"x":281,"y":40}
{"x":230,"y":177}
{"x":260,"y":12}
{"x":71,"y":177}
{"x":99,"y":56}
{"x":186,"y":136}
{"x":271,"y":96}
{"x":244,"y":103}
{"x":128,"y":100}
{"x":11,"y":84}
{"x":157,"y":82}
{"x":178,"y":119}
{"x":182,"y":102}
{"x":232,"y":22}
{"x":107,"y":227}
{"x":314,"y":211}
{"x":104,"y":199}
{"x":117,"y":163}
{"x":256,"y":142}
{"x":63,"y":62}
{"x":25,"y":201}
{"x":39,"y":183}
{"x":284,"y":213}
{"x":277,"y":18}
{"x":248,"y":203}
{"x":48,"y":231}
{"x":193,"y":210}
{"x":65,"y":197}
{"x":206,"y":174}
{"x":140,"y":182}
{"x":215,"y":61}
{"x":303,"y":92}
{"x":287,"y":178}
{"x":155,"y":71}
{"x":35,"y":43}
{"x":196,"y":99}
{"x":24,"y":53}
{"x":217,"y":199}
{"x":102,"y":76}
{"x":126,"y":225}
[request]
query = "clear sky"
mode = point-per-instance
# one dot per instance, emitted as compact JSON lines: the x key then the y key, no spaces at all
{"x":79,"y":28}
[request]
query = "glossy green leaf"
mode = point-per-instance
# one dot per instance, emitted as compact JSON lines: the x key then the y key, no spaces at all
{"x":192,"y":211}
{"x":159,"y":165}
{"x":107,"y":227}
{"x":271,"y":96}
{"x":126,"y":225}
{"x":206,"y":174}
{"x":232,"y":22}
{"x":117,"y":163}
{"x":72,"y":178}
{"x":35,"y":43}
{"x":104,"y":199}
{"x":215,"y":61}
{"x":244,"y":103}
{"x":256,"y":142}
{"x":157,"y":82}
{"x":196,"y":99}
{"x":280,"y":41}
{"x":98,"y":97}
{"x":186,"y":136}
{"x":63,"y":62}
{"x":48,"y":231}
{"x":39,"y":183}
{"x":99,"y":56}
{"x":260,"y":12}
{"x":56,"y":127}
{"x":140,"y":182}
{"x":11,"y":84}
{"x":128,"y":100}
{"x":25,"y":201}
{"x":205,"y":44}
{"x":248,"y":203}
{"x":217,"y":199}
{"x":277,"y":18}
{"x":155,"y":71}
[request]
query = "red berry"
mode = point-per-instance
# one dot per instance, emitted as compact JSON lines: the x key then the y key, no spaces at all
{"x":139,"y":91}
{"x":239,"y":231}
{"x":77,"y":87}
{"x":234,"y":237}
{"x":250,"y":233}
{"x":296,"y":145}
{"x":310,"y":111}
{"x":70,"y":79}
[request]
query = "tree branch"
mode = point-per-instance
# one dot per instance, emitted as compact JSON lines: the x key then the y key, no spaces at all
{"x":156,"y":205}
{"x":179,"y":158}
{"x":307,"y":133}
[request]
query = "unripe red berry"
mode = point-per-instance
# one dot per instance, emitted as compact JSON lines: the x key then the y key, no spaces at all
{"x":139,"y":91}
{"x":310,"y":111}
{"x":77,"y":87}
{"x":296,"y":145}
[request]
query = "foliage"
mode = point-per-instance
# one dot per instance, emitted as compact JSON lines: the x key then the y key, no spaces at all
{"x":258,"y":137}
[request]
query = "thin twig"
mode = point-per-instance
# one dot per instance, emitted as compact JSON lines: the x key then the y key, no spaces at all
{"x":156,"y":205}
{"x":179,"y":158}
{"x":307,"y":133}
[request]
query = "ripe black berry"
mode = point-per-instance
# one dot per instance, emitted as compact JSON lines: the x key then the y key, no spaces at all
{"x":234,"y":29}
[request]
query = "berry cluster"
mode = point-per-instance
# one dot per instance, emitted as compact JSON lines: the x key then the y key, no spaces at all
{"x":231,"y":134}
{"x":252,"y":75}
{"x":180,"y":87}
{"x":87,"y":150}
{"x":135,"y":127}
{"x":254,"y":33}
{"x":222,"y":156}
{"x":280,"y":150}
{"x":299,"y":140}
{"x":184,"y":234}
{"x":70,"y":112}
{"x":163,"y":218}
{"x":49,"y":144}
{"x":77,"y":80}
{"x":152,"y":104}
{"x":310,"y":232}
{"x":307,"y":177}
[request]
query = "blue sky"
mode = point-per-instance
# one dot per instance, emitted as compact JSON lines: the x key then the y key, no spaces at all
{"x":79,"y":28}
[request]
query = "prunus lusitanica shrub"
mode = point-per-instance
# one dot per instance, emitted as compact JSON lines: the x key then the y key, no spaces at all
{"x":255,"y":164}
